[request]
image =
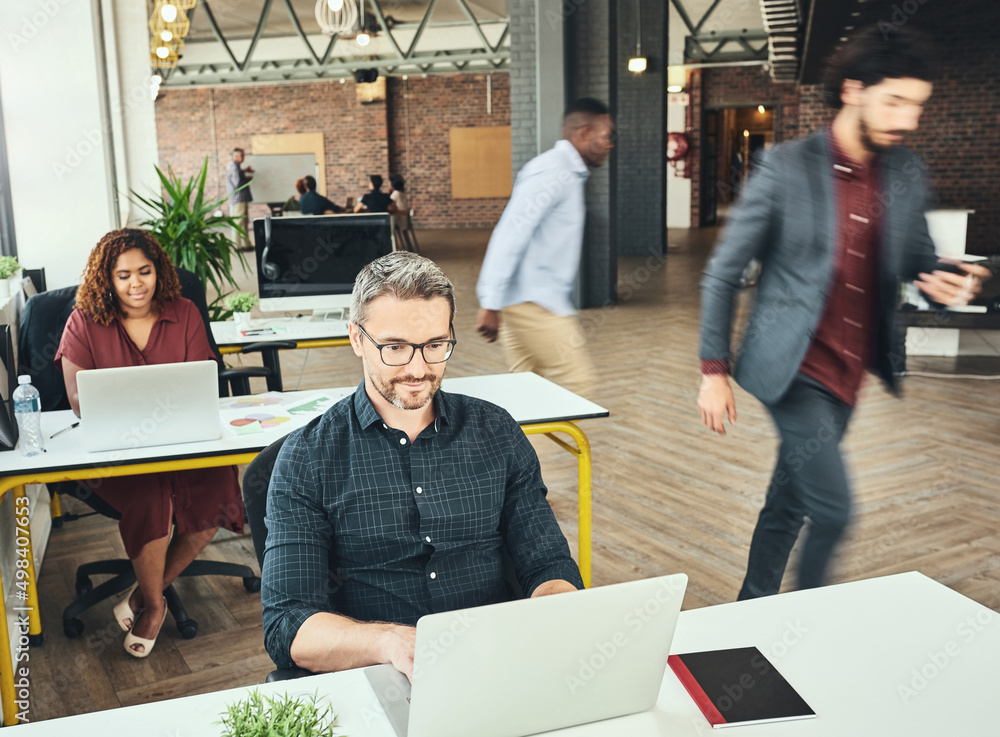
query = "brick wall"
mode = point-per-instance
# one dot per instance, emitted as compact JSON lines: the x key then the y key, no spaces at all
{"x":359,"y":139}
{"x":433,"y":106}
{"x":958,"y":131}
{"x":193,"y":124}
{"x":523,"y":84}
{"x":590,"y":51}
{"x":641,"y":117}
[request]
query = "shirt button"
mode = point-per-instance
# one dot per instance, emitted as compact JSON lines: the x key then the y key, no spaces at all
{"x":427,"y":539}
{"x":384,"y":426}
{"x":433,"y":574}
{"x":402,"y":441}
{"x":419,"y":490}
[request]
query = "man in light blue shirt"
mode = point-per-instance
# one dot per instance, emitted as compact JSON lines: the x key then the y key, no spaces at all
{"x":526,"y":282}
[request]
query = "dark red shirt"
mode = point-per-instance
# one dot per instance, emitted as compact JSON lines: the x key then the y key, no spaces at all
{"x":177,"y":335}
{"x":842,"y":346}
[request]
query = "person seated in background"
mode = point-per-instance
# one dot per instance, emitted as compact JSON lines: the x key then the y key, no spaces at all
{"x":400,"y":500}
{"x":313,"y":203}
{"x":375,"y":200}
{"x":129,"y":312}
{"x":399,"y":208}
{"x":292,"y":205}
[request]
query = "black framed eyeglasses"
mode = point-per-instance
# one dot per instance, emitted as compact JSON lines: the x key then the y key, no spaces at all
{"x":400,"y":354}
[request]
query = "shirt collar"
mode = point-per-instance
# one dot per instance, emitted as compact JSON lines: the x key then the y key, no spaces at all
{"x":843,"y":165}
{"x":168,"y":310}
{"x":572,"y":156}
{"x":368,"y":415}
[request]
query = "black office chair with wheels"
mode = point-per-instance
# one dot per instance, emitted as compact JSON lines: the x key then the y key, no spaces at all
{"x":42,"y":323}
{"x":256,"y":481}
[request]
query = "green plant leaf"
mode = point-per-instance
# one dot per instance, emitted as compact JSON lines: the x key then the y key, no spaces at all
{"x":182,"y":221}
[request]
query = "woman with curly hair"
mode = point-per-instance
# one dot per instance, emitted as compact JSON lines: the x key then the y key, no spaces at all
{"x":129,"y":312}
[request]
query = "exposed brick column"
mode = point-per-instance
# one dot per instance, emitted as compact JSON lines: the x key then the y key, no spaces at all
{"x":590,"y":48}
{"x":641,"y":113}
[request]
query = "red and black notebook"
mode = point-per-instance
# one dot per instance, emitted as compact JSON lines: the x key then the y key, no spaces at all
{"x":738,"y":686}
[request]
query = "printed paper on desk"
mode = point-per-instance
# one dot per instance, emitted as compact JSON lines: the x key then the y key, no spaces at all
{"x":245,"y":420}
{"x":251,"y":401}
{"x":314,"y":404}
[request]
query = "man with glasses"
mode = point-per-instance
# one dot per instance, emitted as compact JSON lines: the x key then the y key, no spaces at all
{"x":401,"y":500}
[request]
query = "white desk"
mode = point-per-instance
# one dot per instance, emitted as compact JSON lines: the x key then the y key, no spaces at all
{"x":537,"y":404}
{"x":307,"y":332}
{"x":847,"y":649}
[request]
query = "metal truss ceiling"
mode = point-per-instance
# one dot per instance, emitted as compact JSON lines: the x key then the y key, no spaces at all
{"x":334,"y":63}
{"x":777,"y":43}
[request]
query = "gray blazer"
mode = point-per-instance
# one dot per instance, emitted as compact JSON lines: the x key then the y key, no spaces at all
{"x":786,"y":219}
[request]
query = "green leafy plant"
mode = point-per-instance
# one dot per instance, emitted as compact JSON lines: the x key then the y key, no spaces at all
{"x":241,"y":301}
{"x":196,"y":239}
{"x":8,"y":266}
{"x":278,"y":716}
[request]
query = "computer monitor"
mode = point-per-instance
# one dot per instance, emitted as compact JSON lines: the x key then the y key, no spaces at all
{"x":310,"y":263}
{"x":8,"y":382}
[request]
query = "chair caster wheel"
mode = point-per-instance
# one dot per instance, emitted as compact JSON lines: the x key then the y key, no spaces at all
{"x":72,"y":628}
{"x":188,"y":629}
{"x":251,"y":584}
{"x":38,"y":640}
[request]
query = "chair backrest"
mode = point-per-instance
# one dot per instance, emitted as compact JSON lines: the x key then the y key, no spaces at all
{"x":42,"y":322}
{"x":194,"y":290}
{"x":256,"y":479}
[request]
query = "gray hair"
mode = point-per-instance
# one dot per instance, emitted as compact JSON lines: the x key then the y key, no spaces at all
{"x":403,"y":275}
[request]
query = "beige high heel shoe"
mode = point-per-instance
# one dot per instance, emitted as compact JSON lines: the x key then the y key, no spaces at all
{"x":122,"y":611}
{"x":147,"y":645}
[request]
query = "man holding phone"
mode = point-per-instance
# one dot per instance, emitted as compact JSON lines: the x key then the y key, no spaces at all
{"x":836,"y":219}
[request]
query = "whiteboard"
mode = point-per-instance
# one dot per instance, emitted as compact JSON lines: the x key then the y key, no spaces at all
{"x":275,"y":174}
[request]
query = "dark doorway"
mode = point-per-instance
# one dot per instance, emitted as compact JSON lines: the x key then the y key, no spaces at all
{"x":732,"y":137}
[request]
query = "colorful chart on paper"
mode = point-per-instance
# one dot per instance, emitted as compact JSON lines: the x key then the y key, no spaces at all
{"x":266,"y":420}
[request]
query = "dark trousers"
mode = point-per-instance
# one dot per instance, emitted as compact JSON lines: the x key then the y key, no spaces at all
{"x":809,"y":481}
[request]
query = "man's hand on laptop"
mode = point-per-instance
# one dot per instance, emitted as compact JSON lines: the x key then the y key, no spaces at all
{"x":397,"y":644}
{"x":555,"y":586}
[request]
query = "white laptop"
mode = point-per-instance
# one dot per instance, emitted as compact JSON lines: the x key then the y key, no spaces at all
{"x":142,"y":406}
{"x":534,"y":665}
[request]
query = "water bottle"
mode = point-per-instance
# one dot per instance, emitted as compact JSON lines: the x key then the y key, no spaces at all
{"x":28,"y":410}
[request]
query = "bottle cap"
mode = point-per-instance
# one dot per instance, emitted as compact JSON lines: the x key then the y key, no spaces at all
{"x":23,"y":379}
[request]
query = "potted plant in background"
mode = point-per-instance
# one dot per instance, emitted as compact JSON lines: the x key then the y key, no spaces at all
{"x":192,"y":234}
{"x":9,"y":266}
{"x":241,"y":303}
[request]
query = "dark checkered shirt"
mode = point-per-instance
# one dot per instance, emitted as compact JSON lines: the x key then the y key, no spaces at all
{"x":362,"y":523}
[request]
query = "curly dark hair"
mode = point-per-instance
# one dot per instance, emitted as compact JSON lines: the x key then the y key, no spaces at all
{"x":871,"y":56}
{"x":96,"y":295}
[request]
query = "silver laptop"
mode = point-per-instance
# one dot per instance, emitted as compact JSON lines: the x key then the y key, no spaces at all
{"x":143,"y":406}
{"x":530,"y":666}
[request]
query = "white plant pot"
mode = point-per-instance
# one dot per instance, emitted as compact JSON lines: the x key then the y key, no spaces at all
{"x":242,"y":320}
{"x":4,"y":289}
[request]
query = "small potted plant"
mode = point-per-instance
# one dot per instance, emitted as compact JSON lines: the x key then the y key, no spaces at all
{"x":8,"y":267}
{"x":241,"y":303}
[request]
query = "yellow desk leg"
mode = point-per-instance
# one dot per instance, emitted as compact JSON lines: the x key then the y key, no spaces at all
{"x":582,"y":452}
{"x":55,"y":507}
{"x":6,"y":668}
{"x":34,"y":615}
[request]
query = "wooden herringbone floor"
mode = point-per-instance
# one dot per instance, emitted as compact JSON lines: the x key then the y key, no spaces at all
{"x":668,"y":495}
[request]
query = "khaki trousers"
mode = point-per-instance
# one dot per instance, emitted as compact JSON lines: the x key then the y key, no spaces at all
{"x":239,"y":211}
{"x":551,"y":345}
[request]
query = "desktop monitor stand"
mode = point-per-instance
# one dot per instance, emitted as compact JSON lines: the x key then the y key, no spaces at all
{"x":334,"y":315}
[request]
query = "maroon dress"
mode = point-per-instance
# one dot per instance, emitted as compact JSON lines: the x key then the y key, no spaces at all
{"x":201,"y":498}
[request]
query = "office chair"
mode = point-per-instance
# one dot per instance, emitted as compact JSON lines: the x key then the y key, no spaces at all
{"x":256,"y":481}
{"x":42,"y":323}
